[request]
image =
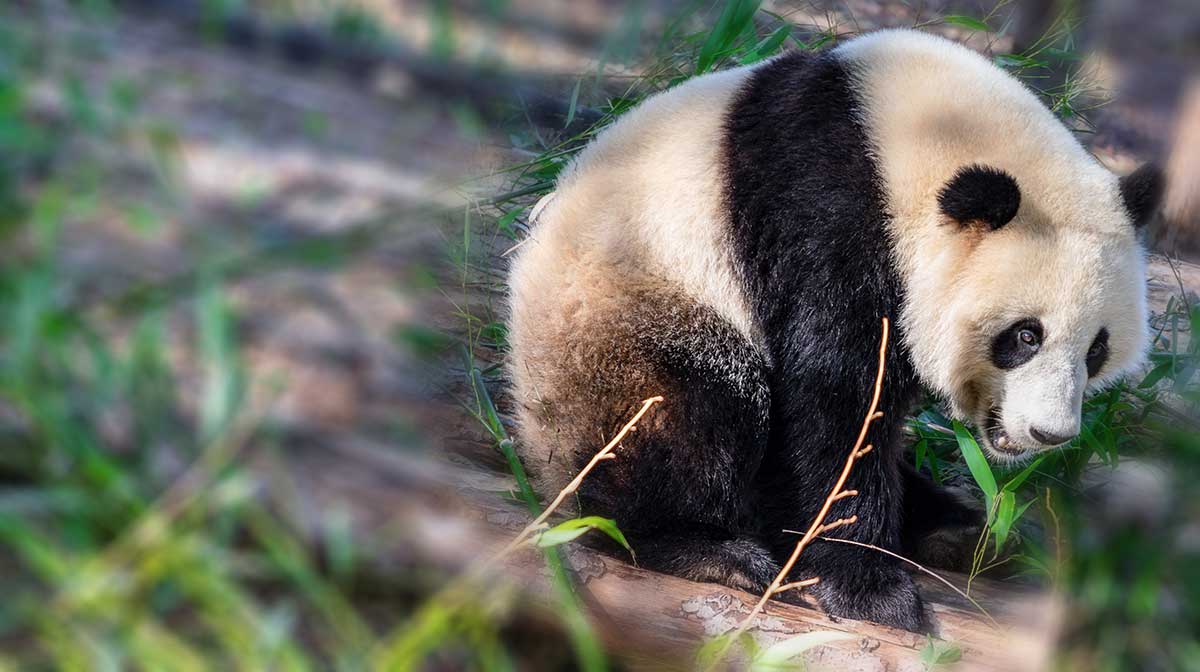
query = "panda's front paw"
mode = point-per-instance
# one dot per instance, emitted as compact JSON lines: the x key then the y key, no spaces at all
{"x":868,"y":588}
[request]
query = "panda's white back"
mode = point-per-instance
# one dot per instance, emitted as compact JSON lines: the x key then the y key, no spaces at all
{"x":642,"y":202}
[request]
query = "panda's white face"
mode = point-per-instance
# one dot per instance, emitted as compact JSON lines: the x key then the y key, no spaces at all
{"x":1063,"y":316}
{"x":1017,"y":248}
{"x":1020,"y":303}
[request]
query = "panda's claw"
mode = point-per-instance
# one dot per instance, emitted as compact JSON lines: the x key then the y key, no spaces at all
{"x":867,"y":587}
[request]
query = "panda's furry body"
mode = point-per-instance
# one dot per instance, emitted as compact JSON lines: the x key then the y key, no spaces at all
{"x":732,"y":245}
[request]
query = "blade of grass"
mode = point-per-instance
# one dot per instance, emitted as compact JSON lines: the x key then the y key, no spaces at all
{"x":588,"y":651}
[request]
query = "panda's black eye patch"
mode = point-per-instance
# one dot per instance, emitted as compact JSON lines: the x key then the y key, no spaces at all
{"x":1097,"y":354}
{"x":1017,"y":344}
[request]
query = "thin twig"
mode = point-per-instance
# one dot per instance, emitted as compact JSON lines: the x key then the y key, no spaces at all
{"x":603,"y":454}
{"x":799,"y":584}
{"x":981,"y":545}
{"x":837,"y":523}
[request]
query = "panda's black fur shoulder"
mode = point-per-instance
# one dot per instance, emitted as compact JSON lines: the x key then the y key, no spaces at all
{"x":808,"y":221}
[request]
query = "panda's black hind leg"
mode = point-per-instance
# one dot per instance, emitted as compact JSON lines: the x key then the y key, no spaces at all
{"x":679,"y":485}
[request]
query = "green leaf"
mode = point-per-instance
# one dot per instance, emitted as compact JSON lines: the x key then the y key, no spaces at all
{"x":937,"y":652}
{"x":929,"y":652}
{"x":920,"y":449}
{"x":560,"y":534}
{"x":767,"y":46}
{"x":487,"y":410}
{"x":934,"y":470}
{"x":750,"y":645}
{"x":777,"y":657}
{"x":706,"y":657}
{"x":1063,"y":54}
{"x":968,"y":22}
{"x":1016,"y":481}
{"x":574,"y":104}
{"x":1156,"y":374}
{"x":1019,"y":61}
{"x":496,"y":333}
{"x":976,"y":462}
{"x":223,"y":376}
{"x":1089,"y":440}
{"x":822,"y":40}
{"x":735,"y":18}
{"x":569,"y":530}
{"x":1004,"y":518}
{"x":506,"y":220}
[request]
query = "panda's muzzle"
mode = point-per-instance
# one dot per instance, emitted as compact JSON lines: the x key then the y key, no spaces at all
{"x":997,"y":437}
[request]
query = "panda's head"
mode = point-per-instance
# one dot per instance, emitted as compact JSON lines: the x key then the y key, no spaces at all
{"x":1042,"y":310}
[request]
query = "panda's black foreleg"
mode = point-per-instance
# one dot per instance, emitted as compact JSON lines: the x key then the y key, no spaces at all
{"x":855,"y":581}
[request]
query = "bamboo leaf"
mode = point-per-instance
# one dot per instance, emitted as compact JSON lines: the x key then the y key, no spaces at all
{"x":920,"y":449}
{"x":937,"y":652}
{"x":570,"y":530}
{"x":1004,"y":517}
{"x":506,"y":220}
{"x":968,"y":22}
{"x":1016,"y":481}
{"x":574,"y":104}
{"x":976,"y":462}
{"x":735,"y":18}
{"x":767,"y":46}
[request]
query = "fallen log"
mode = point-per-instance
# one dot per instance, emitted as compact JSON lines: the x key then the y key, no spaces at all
{"x":445,"y":515}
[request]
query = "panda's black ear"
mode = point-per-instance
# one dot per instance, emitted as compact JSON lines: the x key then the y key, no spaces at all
{"x":980,"y":194}
{"x":1141,"y":191}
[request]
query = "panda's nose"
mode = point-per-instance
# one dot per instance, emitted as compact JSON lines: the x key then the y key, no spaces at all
{"x":1048,"y":438}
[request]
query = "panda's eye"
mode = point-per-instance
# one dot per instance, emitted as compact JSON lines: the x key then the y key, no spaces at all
{"x":1097,"y":354}
{"x":1017,"y":344}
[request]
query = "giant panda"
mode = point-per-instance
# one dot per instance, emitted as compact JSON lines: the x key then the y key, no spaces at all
{"x":732,"y":245}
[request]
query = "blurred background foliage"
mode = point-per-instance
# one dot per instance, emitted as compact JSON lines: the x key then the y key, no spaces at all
{"x":242,"y":243}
